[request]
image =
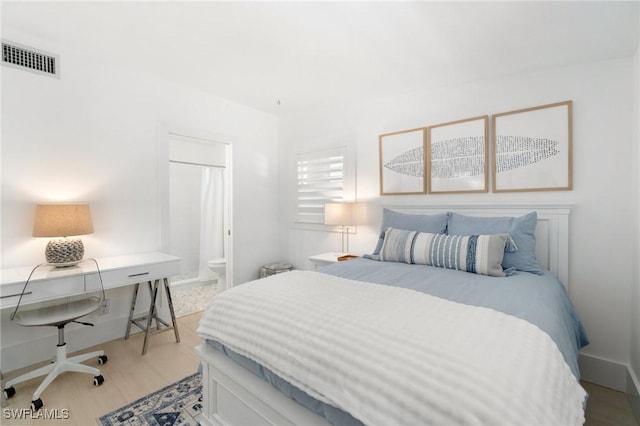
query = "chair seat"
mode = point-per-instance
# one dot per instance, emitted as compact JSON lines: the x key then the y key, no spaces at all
{"x":58,"y":314}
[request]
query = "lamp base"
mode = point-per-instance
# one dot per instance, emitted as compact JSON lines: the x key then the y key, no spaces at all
{"x":64,"y":252}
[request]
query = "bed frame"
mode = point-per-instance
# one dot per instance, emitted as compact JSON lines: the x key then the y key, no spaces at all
{"x":234,"y":396}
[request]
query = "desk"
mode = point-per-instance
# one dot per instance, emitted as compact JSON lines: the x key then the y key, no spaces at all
{"x":50,"y":283}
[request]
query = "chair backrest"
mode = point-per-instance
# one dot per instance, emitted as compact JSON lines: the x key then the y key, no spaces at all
{"x":61,"y":313}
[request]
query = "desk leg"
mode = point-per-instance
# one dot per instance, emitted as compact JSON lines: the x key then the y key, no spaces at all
{"x":156,"y":307}
{"x":173,"y":314}
{"x":152,"y":314}
{"x":133,"y":306}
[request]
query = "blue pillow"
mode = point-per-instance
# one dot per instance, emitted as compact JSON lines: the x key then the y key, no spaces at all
{"x":522,"y":230}
{"x":478,"y":254}
{"x":433,"y":223}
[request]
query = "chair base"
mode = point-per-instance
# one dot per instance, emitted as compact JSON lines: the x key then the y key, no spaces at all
{"x":60,"y":365}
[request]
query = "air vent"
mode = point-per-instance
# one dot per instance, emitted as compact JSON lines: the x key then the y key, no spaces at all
{"x":30,"y":59}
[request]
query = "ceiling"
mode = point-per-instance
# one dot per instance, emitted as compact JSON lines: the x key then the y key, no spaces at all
{"x":316,"y":54}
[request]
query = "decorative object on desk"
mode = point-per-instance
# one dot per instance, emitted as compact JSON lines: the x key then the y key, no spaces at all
{"x":63,"y":220}
{"x":458,"y":156}
{"x":532,"y":149}
{"x":345,"y":215}
{"x":402,"y":162}
{"x":347,"y":257}
{"x":179,"y":403}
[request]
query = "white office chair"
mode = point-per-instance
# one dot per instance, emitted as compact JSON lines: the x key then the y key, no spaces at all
{"x":58,"y":316}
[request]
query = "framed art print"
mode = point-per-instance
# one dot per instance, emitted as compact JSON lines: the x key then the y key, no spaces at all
{"x":402,"y":162}
{"x":532,"y":149}
{"x":458,"y":156}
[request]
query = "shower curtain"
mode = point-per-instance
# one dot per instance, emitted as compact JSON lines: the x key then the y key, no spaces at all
{"x":211,"y":219}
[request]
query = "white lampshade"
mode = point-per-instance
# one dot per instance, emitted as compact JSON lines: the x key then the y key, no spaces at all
{"x":337,"y":214}
{"x":342,"y":214}
{"x":345,"y":215}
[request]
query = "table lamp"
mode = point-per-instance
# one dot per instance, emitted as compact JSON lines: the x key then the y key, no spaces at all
{"x":63,"y":220}
{"x":343,"y":214}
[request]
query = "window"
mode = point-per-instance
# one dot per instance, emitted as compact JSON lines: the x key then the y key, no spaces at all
{"x":321,"y":179}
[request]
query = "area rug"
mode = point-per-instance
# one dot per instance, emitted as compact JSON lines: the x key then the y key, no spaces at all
{"x":189,"y":299}
{"x":180,"y":403}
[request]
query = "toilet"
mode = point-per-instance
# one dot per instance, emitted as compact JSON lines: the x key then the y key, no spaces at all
{"x":219,"y":267}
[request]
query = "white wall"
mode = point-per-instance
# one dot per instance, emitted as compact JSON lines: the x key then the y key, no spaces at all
{"x":92,"y":136}
{"x":635,"y":299}
{"x":601,"y":244}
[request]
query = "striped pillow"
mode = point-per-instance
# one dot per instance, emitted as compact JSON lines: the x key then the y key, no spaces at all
{"x":479,"y":254}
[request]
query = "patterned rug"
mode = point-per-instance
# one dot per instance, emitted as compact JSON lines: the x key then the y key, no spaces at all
{"x":180,"y":403}
{"x":190,"y":299}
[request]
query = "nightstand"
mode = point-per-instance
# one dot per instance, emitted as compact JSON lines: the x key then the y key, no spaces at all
{"x":324,"y":259}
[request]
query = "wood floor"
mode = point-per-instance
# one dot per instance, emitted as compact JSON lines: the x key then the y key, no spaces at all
{"x":129,"y":376}
{"x":607,"y":407}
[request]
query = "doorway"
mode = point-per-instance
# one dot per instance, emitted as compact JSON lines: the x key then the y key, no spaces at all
{"x":196,"y":226}
{"x":196,"y":216}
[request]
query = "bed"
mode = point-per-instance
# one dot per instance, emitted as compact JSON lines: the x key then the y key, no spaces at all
{"x":400,"y":337}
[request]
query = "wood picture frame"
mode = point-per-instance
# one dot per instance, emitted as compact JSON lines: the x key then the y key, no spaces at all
{"x":532,"y":149}
{"x":458,"y":156}
{"x":402,"y":162}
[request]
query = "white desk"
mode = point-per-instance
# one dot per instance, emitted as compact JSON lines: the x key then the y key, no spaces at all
{"x":49,"y":283}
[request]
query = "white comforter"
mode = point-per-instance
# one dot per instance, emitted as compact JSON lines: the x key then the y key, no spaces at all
{"x":392,"y":356}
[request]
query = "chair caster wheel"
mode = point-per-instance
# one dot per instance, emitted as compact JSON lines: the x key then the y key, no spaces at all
{"x":98,"y":380}
{"x":37,"y":404}
{"x":102,"y":359}
{"x":9,"y":392}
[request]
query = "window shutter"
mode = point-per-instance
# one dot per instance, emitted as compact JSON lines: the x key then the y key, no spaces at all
{"x":321,"y":179}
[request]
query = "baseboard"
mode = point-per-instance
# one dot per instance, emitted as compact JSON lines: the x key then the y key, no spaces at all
{"x":633,"y":393}
{"x":612,"y":375}
{"x":603,"y":372}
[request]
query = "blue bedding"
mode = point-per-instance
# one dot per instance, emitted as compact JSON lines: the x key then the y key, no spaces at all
{"x":538,"y":299}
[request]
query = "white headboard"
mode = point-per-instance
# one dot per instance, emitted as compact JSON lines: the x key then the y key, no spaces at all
{"x":552,"y":230}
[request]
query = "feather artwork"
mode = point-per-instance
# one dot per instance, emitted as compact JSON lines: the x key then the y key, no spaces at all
{"x":458,"y":158}
{"x":408,"y":163}
{"x":513,"y":152}
{"x":450,"y":159}
{"x":465,"y":157}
